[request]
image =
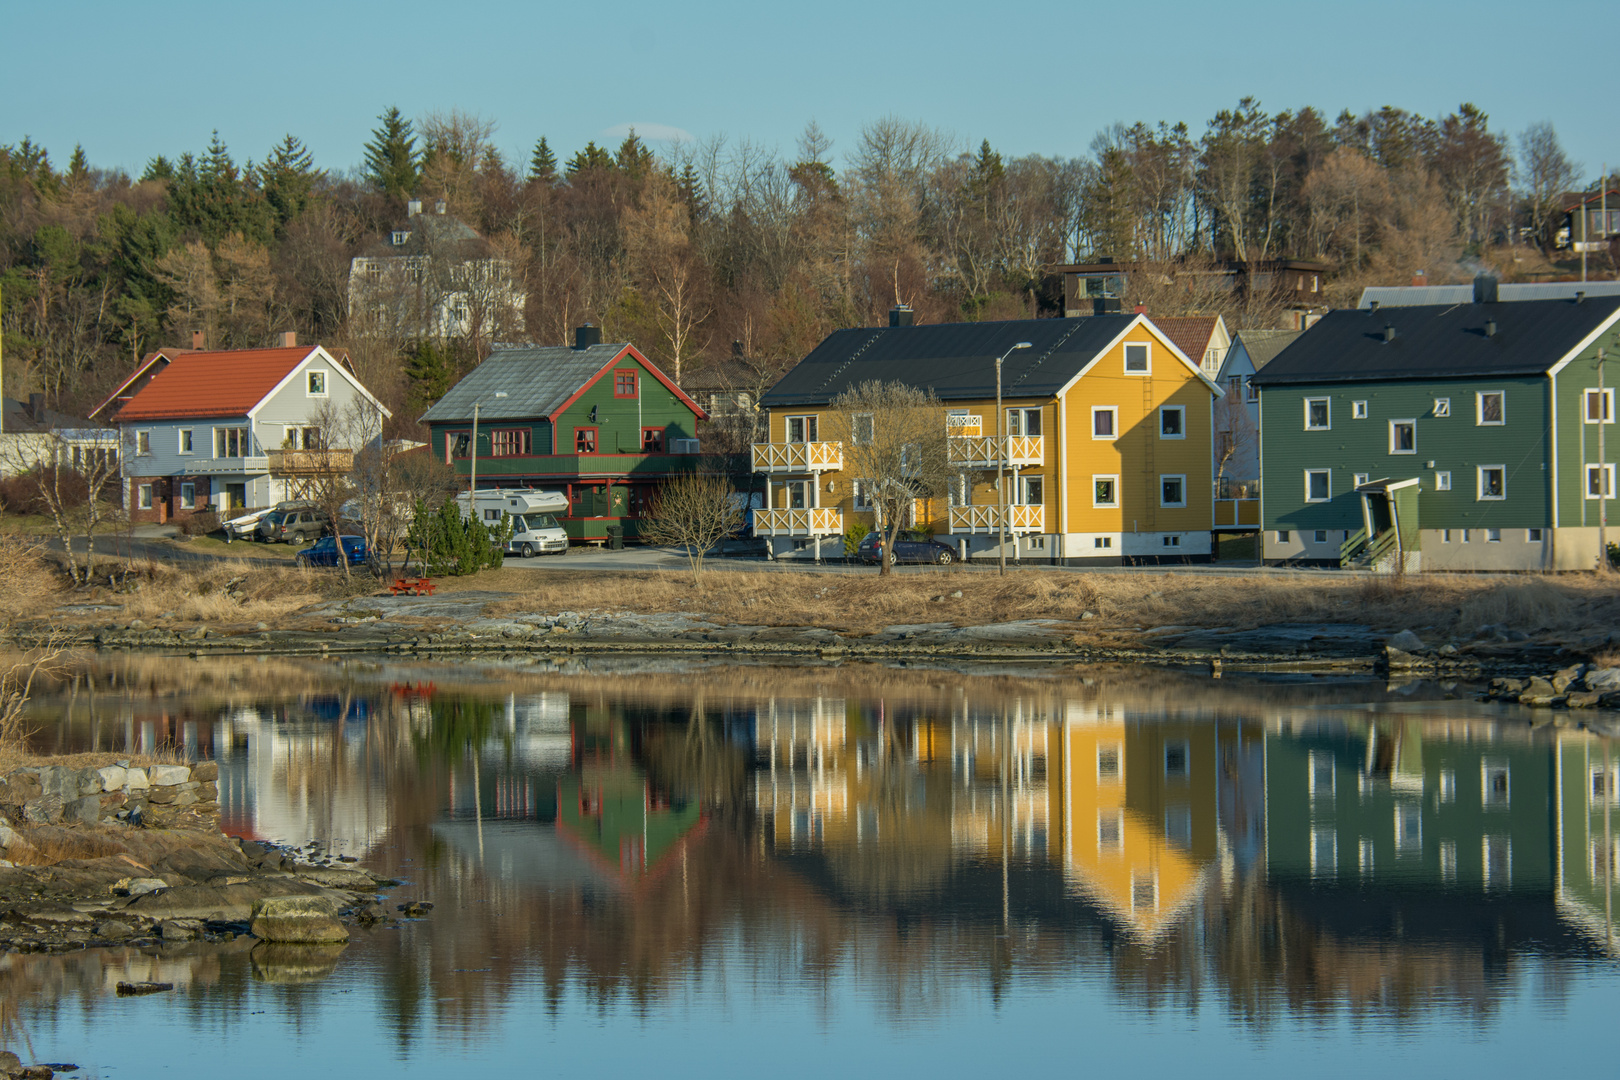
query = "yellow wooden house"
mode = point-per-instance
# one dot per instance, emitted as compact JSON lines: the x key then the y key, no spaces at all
{"x":1104,"y":432}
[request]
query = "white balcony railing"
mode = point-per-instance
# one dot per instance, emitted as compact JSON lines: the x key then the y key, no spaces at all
{"x":987,"y":519}
{"x":812,"y":521}
{"x":983,"y":452}
{"x":798,"y":457}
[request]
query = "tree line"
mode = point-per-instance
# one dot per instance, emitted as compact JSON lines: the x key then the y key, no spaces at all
{"x":724,"y":259}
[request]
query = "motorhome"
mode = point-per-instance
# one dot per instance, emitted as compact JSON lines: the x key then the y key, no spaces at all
{"x":534,"y":526}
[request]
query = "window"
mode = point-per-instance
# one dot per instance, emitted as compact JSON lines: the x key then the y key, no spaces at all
{"x":1403,"y":436}
{"x":188,"y":494}
{"x":1173,"y":540}
{"x":185,"y":440}
{"x":1144,"y":892}
{"x":1493,"y":481}
{"x":584,"y":440}
{"x":143,"y":443}
{"x":1136,"y":359}
{"x":1494,"y":790}
{"x":1023,"y":421}
{"x":1498,"y":858}
{"x":1358,"y":410}
{"x":143,"y":495}
{"x":1600,"y":481}
{"x":624,"y":384}
{"x":231,"y":442}
{"x":1254,"y":391}
{"x":1318,"y":414}
{"x":1030,"y":490}
{"x":1357,"y":479}
{"x":1532,"y":536}
{"x":1324,"y":852}
{"x":801,"y":429}
{"x":1489,"y":405}
{"x":862,"y":494}
{"x":1104,"y":421}
{"x":1110,"y":830}
{"x":860,"y":429}
{"x":1234,"y":385}
{"x":1599,"y":406}
{"x":1464,"y":538}
{"x":1448,"y":860}
{"x":1173,"y":422}
{"x":308,"y":438}
{"x":1105,"y":491}
{"x":1102,"y":541}
{"x":1283,"y":535}
{"x":509,"y":442}
{"x":652,"y":440}
{"x":1445,"y":536}
{"x":1172,"y":491}
{"x":1321,"y":536}
{"x":457,"y":445}
{"x":1493,"y":536}
{"x":959,"y":491}
{"x":1319,"y":774}
{"x":1178,"y":826}
{"x":1318,"y":485}
{"x":1177,"y":763}
{"x":1448,"y":785}
{"x":1108,"y":762}
{"x":1442,"y":481}
{"x":1442,"y":407}
{"x":317,"y":384}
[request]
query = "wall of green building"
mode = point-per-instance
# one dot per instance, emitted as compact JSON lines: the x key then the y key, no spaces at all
{"x":1456,"y":444}
{"x":1578,"y":440}
{"x":619,"y":420}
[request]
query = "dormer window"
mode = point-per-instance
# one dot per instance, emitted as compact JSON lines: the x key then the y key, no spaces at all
{"x":401,"y":237}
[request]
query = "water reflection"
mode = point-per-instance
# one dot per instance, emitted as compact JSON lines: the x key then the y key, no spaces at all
{"x":1293,"y":850}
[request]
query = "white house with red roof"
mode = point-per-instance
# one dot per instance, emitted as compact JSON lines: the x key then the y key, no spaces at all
{"x":230,"y":429}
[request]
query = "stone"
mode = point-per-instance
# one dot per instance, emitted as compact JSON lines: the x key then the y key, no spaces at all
{"x":1603,"y":679}
{"x":114,"y":929}
{"x":1586,"y":699}
{"x":1406,"y":641}
{"x":60,"y":780}
{"x":1448,"y":650}
{"x":18,"y":787}
{"x":1397,"y":658}
{"x":1540,"y":701}
{"x":1610,"y":700}
{"x":136,"y":779}
{"x":1086,"y":616}
{"x":169,"y":775}
{"x":416,"y":909}
{"x":180,"y":929}
{"x":87,"y":810}
{"x":136,"y":624}
{"x":138,"y":886}
{"x":112,"y":777}
{"x":957,"y":595}
{"x":1539,"y":687}
{"x":205,"y":771}
{"x":10,"y":836}
{"x":89,"y":781}
{"x":10,"y":1064}
{"x":371,"y":913}
{"x":298,"y":920}
{"x":161,"y":795}
{"x":208,"y":792}
{"x":1564,"y":678}
{"x":45,"y":810}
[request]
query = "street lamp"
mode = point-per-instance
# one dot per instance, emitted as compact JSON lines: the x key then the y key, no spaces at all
{"x":1001,"y":463}
{"x":472,"y":483}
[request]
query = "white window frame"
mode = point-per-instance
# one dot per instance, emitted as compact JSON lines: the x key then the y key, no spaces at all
{"x":143,"y":497}
{"x":1318,"y":472}
{"x":1173,"y":476}
{"x":1608,"y":481}
{"x":1321,"y":537}
{"x":860,"y":489}
{"x":1117,"y":773}
{"x":862,"y":433}
{"x":1112,"y":478}
{"x":1359,"y":478}
{"x":1112,"y":411}
{"x":1358,"y":410}
{"x":1181,"y":411}
{"x":1493,"y":536}
{"x":1479,"y":476}
{"x":1479,"y":408}
{"x":1252,"y":392}
{"x":809,"y":426}
{"x":1170,"y":540}
{"x":1442,"y":480}
{"x":1024,"y":480}
{"x":1147,"y":358}
{"x":244,"y":443}
{"x":1018,"y":420}
{"x":143,"y":443}
{"x":183,"y":441}
{"x":1393,"y":424}
{"x":808,"y":488}
{"x":310,"y":390}
{"x":1285,"y":536}
{"x":1328,"y":403}
{"x":1102,"y":541}
{"x":1442,"y":408}
{"x":1532,"y":536}
{"x":188,"y":493}
{"x":1608,"y":405}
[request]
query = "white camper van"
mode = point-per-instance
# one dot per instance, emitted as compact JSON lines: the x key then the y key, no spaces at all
{"x":534,"y":527}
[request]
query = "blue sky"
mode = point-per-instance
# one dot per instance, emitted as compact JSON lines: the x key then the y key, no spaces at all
{"x":132,"y":80}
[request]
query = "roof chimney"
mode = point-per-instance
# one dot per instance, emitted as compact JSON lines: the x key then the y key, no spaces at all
{"x":1420,"y":279}
{"x":438,"y":207}
{"x":1372,"y":305}
{"x":1490,"y":327}
{"x":196,"y":339}
{"x":413,"y":208}
{"x":901,"y":315}
{"x":1485,"y":289}
{"x":289,"y":339}
{"x":1141,"y":309}
{"x":587,"y":335}
{"x":1580,"y":296}
{"x":1389,"y":332}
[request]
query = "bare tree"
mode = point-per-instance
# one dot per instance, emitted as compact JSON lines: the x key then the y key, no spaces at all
{"x":1235,"y":434}
{"x":72,"y":471}
{"x":1547,"y":174}
{"x":335,"y":474}
{"x":692,"y":511}
{"x":894,"y":443}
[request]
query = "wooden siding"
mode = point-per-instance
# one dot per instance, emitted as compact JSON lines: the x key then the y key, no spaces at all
{"x":1578,"y":440}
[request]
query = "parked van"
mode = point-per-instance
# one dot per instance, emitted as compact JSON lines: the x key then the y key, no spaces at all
{"x":534,"y":525}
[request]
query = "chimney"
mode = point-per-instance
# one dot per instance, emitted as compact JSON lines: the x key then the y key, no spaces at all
{"x":413,"y":208}
{"x":289,"y":339}
{"x":1389,"y":332}
{"x":1485,"y":289}
{"x":1580,"y":296}
{"x":901,"y":315}
{"x":36,"y":408}
{"x":1141,"y":309}
{"x":1420,"y":279}
{"x":196,"y":339}
{"x":438,"y":207}
{"x":1490,"y":327}
{"x":1372,"y":306}
{"x":587,"y":335}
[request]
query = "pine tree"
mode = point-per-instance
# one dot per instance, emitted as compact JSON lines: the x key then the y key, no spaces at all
{"x":287,"y":178}
{"x":542,"y":164}
{"x":634,"y":158}
{"x":392,"y":162}
{"x":78,"y":165}
{"x":592,"y":157}
{"x":158,"y":168}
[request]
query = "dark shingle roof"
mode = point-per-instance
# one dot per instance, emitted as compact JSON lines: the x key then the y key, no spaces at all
{"x":1264,"y":345}
{"x":536,"y":379}
{"x":955,"y":360}
{"x":1439,"y":341}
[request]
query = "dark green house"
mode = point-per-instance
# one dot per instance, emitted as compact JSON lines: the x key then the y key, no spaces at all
{"x":1448,"y":437}
{"x":598,"y":422}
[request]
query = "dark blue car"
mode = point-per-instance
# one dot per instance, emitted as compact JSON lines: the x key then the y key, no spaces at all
{"x":325,"y":553}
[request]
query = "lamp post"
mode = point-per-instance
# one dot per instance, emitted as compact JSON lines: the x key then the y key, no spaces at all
{"x":1001,"y":463}
{"x":472,"y":483}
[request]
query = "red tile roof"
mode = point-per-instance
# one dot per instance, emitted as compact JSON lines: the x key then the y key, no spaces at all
{"x":202,"y":384}
{"x":1190,"y":333}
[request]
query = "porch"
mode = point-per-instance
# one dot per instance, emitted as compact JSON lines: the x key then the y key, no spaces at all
{"x":798,"y":457}
{"x":984,"y":451}
{"x":809,"y":521}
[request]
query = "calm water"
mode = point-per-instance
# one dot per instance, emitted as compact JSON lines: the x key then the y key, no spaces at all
{"x":866,"y":870}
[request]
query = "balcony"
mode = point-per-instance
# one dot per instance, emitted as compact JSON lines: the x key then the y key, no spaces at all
{"x":805,"y":457}
{"x":812,"y":521}
{"x":291,"y":464}
{"x":987,"y":519}
{"x":983,"y":451}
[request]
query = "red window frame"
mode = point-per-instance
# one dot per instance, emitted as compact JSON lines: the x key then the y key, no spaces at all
{"x":625,"y":382}
{"x":511,"y":442}
{"x":656,"y":436}
{"x":585,"y":435}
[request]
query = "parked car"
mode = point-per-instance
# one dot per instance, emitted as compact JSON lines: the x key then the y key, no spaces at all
{"x":294,"y":523}
{"x":325,"y":552}
{"x":908,"y":547}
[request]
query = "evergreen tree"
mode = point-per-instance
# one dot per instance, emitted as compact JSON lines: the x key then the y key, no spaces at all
{"x":287,"y":178}
{"x":213,"y":198}
{"x":158,"y":168}
{"x":592,"y":157}
{"x":634,"y":158}
{"x":392,"y":162}
{"x":78,"y":164}
{"x":690,"y":187}
{"x":542,"y":164}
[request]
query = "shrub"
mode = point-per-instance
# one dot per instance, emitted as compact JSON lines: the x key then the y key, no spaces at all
{"x":22,"y":495}
{"x":447,"y":542}
{"x":200,"y":524}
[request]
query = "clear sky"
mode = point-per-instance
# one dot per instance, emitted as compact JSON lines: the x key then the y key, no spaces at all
{"x":133,"y":80}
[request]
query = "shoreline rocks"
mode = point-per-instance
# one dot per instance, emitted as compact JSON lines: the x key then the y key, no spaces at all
{"x":1578,"y":686}
{"x":164,"y":796}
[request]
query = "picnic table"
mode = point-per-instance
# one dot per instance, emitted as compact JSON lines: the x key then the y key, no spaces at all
{"x":412,"y":586}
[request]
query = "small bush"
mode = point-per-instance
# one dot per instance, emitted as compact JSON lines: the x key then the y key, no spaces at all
{"x":22,"y":494}
{"x":200,"y":524}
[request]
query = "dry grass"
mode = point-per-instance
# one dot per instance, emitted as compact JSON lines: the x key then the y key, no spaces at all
{"x":26,"y":579}
{"x":15,"y":758}
{"x":49,"y":845}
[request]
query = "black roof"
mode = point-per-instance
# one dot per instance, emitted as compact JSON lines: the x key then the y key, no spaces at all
{"x":1438,"y":341}
{"x":954,"y":360}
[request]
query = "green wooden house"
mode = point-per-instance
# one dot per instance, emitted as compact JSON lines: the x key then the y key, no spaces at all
{"x":1445,"y":437}
{"x":597,"y":421}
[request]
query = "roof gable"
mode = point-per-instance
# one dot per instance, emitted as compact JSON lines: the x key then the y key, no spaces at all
{"x":537,"y":381}
{"x":1191,"y":334}
{"x":206,"y":384}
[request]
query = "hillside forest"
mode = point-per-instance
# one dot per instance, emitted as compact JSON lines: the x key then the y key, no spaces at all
{"x":725,"y":260}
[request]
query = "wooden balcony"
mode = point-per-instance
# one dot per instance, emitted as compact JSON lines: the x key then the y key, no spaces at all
{"x":813,"y":521}
{"x":292,"y":464}
{"x":982,"y":452}
{"x":987,"y":519}
{"x":806,"y":457}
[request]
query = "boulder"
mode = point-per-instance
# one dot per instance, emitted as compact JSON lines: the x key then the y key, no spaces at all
{"x":205,"y":771}
{"x":1397,"y":658}
{"x":1539,"y":687}
{"x":45,"y":810}
{"x":169,"y":775}
{"x":303,"y":920}
{"x":136,"y":779}
{"x":180,"y":929}
{"x":1603,"y":679}
{"x":112,"y":777}
{"x":1406,"y":641}
{"x":1585,"y":699}
{"x":19,"y":787}
{"x":138,"y":886}
{"x":115,"y":929}
{"x":86,"y":810}
{"x":1564,"y":678}
{"x":60,"y":780}
{"x":1448,"y":650}
{"x":1507,"y":687}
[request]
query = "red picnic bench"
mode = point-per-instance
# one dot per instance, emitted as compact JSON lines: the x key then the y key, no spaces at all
{"x":412,"y":586}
